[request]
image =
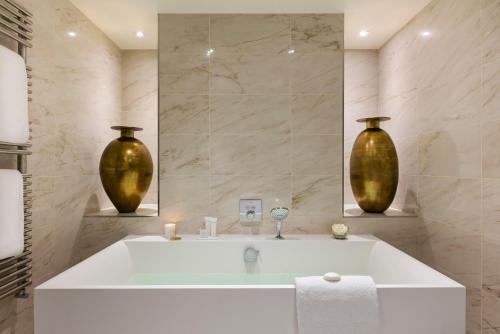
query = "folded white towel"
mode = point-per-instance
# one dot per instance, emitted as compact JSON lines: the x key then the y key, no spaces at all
{"x":11,"y":213}
{"x":349,"y":306}
{"x":14,"y":123}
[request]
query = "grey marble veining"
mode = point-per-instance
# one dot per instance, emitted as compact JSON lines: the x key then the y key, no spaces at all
{"x":183,"y":33}
{"x":250,"y":74}
{"x":250,"y":34}
{"x":317,"y":73}
{"x":317,"y":114}
{"x":317,"y":33}
{"x":184,"y":114}
{"x":254,"y":117}
{"x":250,"y":114}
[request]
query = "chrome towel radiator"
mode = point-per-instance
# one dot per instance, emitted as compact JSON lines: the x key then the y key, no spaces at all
{"x":15,"y":272}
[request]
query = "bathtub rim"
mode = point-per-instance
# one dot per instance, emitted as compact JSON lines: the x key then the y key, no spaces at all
{"x":52,"y":284}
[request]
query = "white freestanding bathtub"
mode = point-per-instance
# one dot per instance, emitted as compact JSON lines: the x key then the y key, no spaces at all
{"x":150,"y":285}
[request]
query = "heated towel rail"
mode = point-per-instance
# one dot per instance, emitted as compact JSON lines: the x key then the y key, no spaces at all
{"x":15,"y":272}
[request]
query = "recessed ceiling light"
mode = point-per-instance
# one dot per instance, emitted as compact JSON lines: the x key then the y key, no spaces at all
{"x":291,"y":51}
{"x":425,"y":33}
{"x":364,"y":33}
{"x":72,"y":34}
{"x":210,"y":52}
{"x":139,"y":34}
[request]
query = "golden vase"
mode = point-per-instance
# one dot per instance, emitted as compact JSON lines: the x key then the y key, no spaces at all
{"x":126,"y":170}
{"x":374,"y":167}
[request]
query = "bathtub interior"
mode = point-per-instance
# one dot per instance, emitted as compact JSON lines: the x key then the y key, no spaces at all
{"x":153,"y":262}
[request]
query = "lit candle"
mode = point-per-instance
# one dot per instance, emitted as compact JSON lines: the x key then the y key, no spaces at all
{"x":170,"y":231}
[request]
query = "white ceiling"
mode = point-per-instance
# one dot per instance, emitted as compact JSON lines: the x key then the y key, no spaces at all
{"x":120,"y":19}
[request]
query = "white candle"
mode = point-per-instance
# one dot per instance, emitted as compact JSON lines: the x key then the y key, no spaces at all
{"x":170,"y":231}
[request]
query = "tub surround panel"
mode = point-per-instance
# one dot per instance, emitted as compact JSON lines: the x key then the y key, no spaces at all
{"x":318,"y":33}
{"x":183,"y":73}
{"x":317,"y":73}
{"x":184,"y":114}
{"x":442,"y":92}
{"x":252,"y":110}
{"x":183,"y":33}
{"x":184,"y":155}
{"x":258,"y":34}
{"x":249,"y":74}
{"x":250,"y":114}
{"x":316,"y":114}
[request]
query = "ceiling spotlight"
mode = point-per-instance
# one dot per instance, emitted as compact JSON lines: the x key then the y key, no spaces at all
{"x":72,"y":34}
{"x":425,"y":33}
{"x":210,"y":52}
{"x":364,"y":33}
{"x":139,"y":34}
{"x":291,"y":51}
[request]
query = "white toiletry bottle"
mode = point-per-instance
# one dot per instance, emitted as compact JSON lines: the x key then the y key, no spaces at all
{"x":208,"y":225}
{"x":211,"y":226}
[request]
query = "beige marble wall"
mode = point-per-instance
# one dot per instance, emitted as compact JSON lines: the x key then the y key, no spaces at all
{"x":442,"y":92}
{"x":77,"y":96}
{"x":360,"y":100}
{"x":140,"y":104}
{"x":251,"y":119}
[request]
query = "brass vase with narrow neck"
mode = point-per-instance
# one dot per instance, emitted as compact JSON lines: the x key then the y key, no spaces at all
{"x":126,"y":170}
{"x":374,"y":167}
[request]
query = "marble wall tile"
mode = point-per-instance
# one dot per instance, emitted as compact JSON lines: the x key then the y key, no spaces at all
{"x":445,"y":88}
{"x":184,"y":155}
{"x":184,"y":114}
{"x":407,"y":149}
{"x":490,"y":89}
{"x":250,"y":114}
{"x":257,"y":115}
{"x":250,"y":34}
{"x":183,"y":74}
{"x":406,"y":198}
{"x":490,"y":38}
{"x":490,"y":150}
{"x":316,"y":114}
{"x":317,"y":73}
{"x":249,"y":74}
{"x":183,"y":33}
{"x":361,"y":91}
{"x":451,"y":151}
{"x":250,"y":155}
{"x":227,"y":190}
{"x":317,"y":155}
{"x":140,"y":104}
{"x":317,"y":33}
{"x":490,"y":30}
{"x":451,"y":210}
{"x":491,"y":255}
{"x":184,"y":199}
{"x":312,"y":195}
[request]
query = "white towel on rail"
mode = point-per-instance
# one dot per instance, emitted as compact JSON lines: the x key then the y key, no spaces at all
{"x":11,"y":213}
{"x":349,"y":306}
{"x":14,"y":122}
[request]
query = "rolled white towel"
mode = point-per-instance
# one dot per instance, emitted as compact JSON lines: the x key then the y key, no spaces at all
{"x":345,"y":306}
{"x":14,"y":122}
{"x":11,"y":213}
